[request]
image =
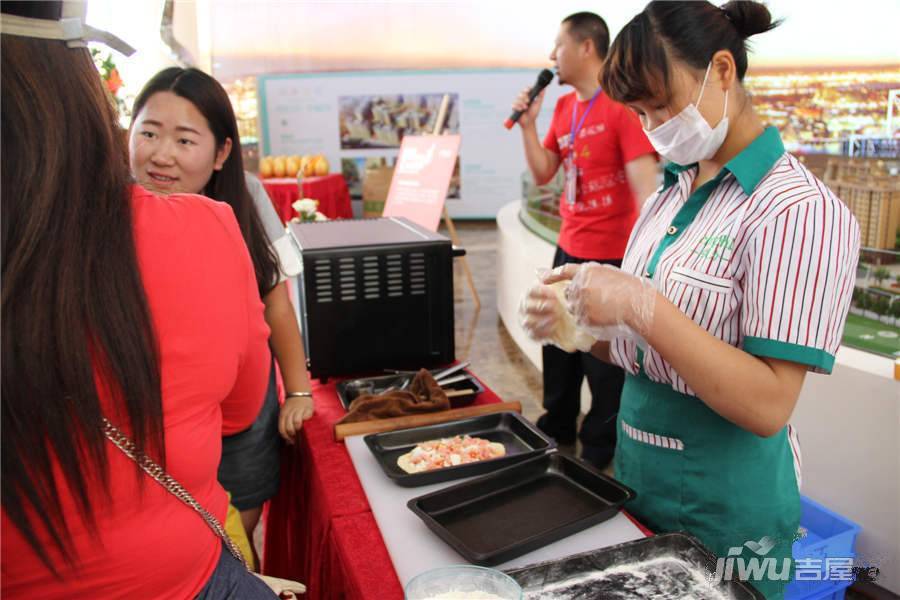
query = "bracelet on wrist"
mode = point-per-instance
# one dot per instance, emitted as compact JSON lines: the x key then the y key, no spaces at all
{"x":298,"y":395}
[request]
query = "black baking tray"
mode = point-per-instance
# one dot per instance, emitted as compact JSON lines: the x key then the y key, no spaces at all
{"x":348,"y":390}
{"x":511,"y":512}
{"x":521,"y":439}
{"x":570,"y":577}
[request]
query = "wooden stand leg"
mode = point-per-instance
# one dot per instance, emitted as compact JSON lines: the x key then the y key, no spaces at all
{"x":438,"y":128}
{"x":451,"y":228}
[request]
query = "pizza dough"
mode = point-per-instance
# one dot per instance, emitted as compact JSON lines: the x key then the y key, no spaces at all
{"x":449,"y":452}
{"x":568,"y":336}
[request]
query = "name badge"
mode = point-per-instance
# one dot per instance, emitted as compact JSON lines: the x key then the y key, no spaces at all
{"x":571,"y":180}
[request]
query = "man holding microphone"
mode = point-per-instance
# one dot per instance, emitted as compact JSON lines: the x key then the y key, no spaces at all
{"x":610,"y":169}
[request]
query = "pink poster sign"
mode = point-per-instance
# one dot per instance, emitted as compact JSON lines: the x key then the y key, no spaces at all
{"x":422,"y":178}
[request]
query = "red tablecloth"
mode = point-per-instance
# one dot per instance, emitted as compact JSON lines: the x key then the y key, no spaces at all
{"x":330,"y":190}
{"x":319,"y":527}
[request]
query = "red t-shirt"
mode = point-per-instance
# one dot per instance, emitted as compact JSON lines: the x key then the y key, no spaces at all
{"x":213,"y":345}
{"x":597,"y":226}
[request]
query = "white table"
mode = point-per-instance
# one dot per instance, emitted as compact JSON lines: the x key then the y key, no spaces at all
{"x":414,"y":548}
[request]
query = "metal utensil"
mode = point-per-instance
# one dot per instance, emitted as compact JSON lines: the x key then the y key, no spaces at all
{"x":451,"y":380}
{"x":399,"y":388}
{"x":443,"y":374}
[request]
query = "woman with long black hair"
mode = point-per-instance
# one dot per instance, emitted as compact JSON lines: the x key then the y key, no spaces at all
{"x":112,"y":311}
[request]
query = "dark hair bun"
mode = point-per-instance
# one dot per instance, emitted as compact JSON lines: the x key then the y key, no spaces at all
{"x":748,"y":17}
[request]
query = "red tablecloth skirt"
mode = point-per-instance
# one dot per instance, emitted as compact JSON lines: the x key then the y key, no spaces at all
{"x":320,"y":529}
{"x":330,"y":190}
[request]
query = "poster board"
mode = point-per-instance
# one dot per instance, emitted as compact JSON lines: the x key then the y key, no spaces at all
{"x":357,"y":119}
{"x":422,"y":178}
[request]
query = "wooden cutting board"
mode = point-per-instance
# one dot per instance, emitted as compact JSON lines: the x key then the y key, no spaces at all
{"x":380,"y":425}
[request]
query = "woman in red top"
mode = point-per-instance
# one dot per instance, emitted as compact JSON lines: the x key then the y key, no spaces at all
{"x":112,"y":306}
{"x":184,"y":139}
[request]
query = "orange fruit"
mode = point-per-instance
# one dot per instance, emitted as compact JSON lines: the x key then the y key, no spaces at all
{"x":265,"y":167}
{"x":321,"y":166}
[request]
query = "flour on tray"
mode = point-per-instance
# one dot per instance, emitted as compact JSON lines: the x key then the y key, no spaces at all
{"x":465,"y":596}
{"x":665,"y":578}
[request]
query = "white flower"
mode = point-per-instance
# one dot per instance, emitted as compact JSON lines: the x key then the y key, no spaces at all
{"x":306,"y":207}
{"x":320,"y":217}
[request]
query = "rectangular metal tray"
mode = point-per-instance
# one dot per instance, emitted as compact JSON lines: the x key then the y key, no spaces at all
{"x":348,"y":390}
{"x":571,"y":577}
{"x":511,"y":512}
{"x":521,"y":439}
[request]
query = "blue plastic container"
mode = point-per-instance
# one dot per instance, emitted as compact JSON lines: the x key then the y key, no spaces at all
{"x":829,"y":592}
{"x":828,"y":535}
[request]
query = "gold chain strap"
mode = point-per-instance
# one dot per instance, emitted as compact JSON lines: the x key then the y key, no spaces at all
{"x":149,"y":466}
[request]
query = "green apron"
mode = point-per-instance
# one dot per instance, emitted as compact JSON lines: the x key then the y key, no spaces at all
{"x":697,"y":472}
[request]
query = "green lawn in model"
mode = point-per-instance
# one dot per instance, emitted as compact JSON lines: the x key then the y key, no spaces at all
{"x":861,"y":332}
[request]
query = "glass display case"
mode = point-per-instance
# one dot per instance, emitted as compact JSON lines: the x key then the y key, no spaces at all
{"x":540,"y":205}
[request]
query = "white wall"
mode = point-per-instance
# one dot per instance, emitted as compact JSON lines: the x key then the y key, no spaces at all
{"x":519,"y":254}
{"x":138,"y":23}
{"x":849,"y":427}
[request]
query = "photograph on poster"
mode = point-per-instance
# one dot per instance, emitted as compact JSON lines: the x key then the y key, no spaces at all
{"x":381,"y":121}
{"x":354,"y":169}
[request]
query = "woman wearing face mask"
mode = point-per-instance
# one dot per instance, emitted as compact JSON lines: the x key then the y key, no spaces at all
{"x":184,"y":138}
{"x":735,"y":283}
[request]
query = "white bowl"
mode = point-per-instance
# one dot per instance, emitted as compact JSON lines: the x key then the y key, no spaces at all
{"x":462,"y":582}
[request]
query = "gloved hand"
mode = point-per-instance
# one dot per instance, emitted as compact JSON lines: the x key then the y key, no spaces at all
{"x":605,"y":301}
{"x":546,"y":319}
{"x":540,"y":312}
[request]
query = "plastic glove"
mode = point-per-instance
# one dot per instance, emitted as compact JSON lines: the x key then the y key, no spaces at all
{"x":607,"y":302}
{"x":546,"y":319}
{"x":568,"y":336}
{"x":540,"y":310}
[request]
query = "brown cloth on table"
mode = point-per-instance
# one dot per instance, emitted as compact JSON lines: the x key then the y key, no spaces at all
{"x":423,"y":395}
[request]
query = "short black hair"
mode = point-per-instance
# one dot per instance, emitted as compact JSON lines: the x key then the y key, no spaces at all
{"x":639,"y":63}
{"x":587,"y":25}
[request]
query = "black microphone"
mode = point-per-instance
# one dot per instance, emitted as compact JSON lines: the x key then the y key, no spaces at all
{"x":543,"y":80}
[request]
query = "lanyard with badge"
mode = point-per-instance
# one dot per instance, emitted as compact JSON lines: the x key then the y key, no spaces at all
{"x":570,"y":167}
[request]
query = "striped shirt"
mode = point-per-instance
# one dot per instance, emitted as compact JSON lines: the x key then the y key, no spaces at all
{"x":763,"y":257}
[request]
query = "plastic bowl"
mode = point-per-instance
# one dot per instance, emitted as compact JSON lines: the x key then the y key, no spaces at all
{"x":462,"y":582}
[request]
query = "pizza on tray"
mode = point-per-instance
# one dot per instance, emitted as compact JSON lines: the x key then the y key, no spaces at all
{"x":449,"y":452}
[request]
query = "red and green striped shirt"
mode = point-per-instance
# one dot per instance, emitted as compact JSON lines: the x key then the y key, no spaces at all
{"x":763,"y":257}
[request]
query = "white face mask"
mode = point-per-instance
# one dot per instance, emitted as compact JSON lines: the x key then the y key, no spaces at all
{"x":687,"y":138}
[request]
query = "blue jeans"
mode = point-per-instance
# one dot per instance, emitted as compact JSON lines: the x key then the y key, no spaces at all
{"x":251,"y":467}
{"x":231,"y":581}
